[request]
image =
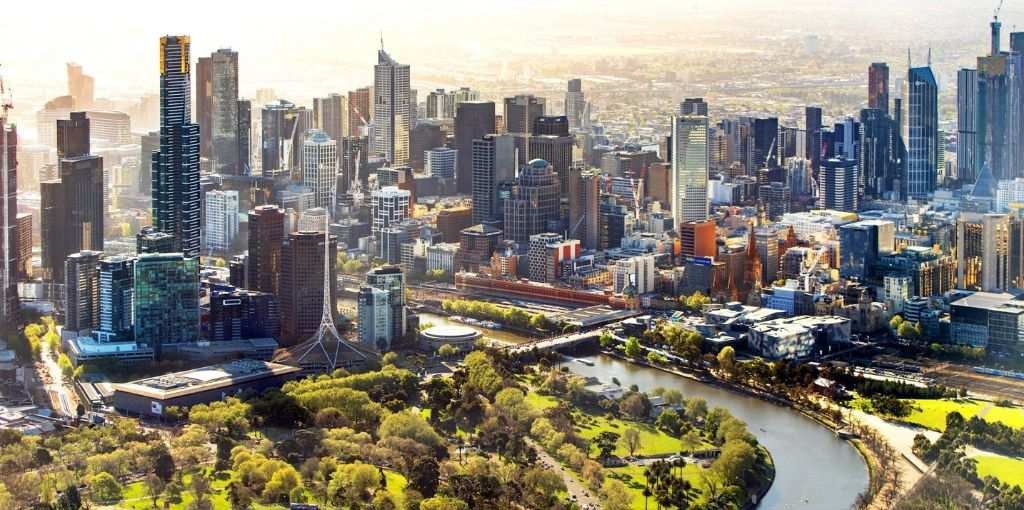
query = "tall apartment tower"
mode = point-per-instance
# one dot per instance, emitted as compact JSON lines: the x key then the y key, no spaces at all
{"x":922,"y":132}
{"x":283,"y":129}
{"x":382,"y":313}
{"x":584,"y":206}
{"x":176,"y":198}
{"x":492,"y":163}
{"x":838,"y":185}
{"x":966,"y":125}
{"x":302,"y":284}
{"x":555,"y":149}
{"x":878,"y":86}
{"x":392,"y":111}
{"x":224,"y":114}
{"x":520,"y":114}
{"x":389,"y":206}
{"x":533,"y":203}
{"x":812,"y":131}
{"x":221,"y":219}
{"x":266,"y":238}
{"x":166,"y":300}
{"x":72,"y":206}
{"x":329,"y":115}
{"x":575,"y":104}
{"x":689,"y":179}
{"x":9,"y":248}
{"x":360,"y":111}
{"x":82,"y":291}
{"x":473,"y":120}
{"x":80,"y":87}
{"x":117,"y":294}
{"x":693,"y":106}
{"x":320,"y":167}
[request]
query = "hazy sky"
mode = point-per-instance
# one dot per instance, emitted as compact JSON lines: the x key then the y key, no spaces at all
{"x":333,"y":42}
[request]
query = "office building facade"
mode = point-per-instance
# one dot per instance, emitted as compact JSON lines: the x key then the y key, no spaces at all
{"x":690,"y":157}
{"x":393,"y":111}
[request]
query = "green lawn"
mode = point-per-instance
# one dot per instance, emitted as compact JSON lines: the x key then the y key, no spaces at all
{"x":540,"y":402}
{"x":652,"y":440}
{"x":633,"y":477}
{"x":396,"y":486}
{"x":1006,"y":469}
{"x":1010,"y":416}
{"x":136,"y":495}
{"x":931,"y":414}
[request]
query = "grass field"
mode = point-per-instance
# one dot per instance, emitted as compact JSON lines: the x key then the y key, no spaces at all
{"x":1005,"y":469}
{"x":633,"y":477}
{"x":540,"y":402}
{"x":652,"y":440}
{"x":1010,"y":416}
{"x":931,"y":414}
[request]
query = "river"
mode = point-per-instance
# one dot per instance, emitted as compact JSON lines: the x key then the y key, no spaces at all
{"x":814,"y":470}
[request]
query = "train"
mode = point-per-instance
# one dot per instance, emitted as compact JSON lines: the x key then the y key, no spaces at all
{"x":1000,"y":373}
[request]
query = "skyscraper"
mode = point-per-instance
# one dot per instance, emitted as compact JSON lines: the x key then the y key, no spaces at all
{"x":244,"y":135}
{"x":166,"y":302}
{"x":81,"y":87}
{"x":302,"y":284}
{"x":440,"y":162}
{"x":389,"y":206}
{"x":533,"y":203}
{"x":224,"y":114}
{"x":266,"y":238}
{"x":473,"y":120}
{"x":360,"y":111}
{"x":492,"y":162}
{"x":329,"y":115}
{"x":922,"y":132}
{"x":72,"y":208}
{"x":812,"y":130}
{"x":966,"y":127}
{"x":392,"y":111}
{"x":8,"y":217}
{"x":878,"y":87}
{"x":693,"y":106}
{"x":838,"y":185}
{"x":689,"y":179}
{"x":320,"y":167}
{"x":382,"y":313}
{"x":283,"y":130}
{"x":117,"y":295}
{"x":584,"y":206}
{"x":176,"y":165}
{"x":575,"y":104}
{"x":82,"y":291}
{"x":520,"y":114}
{"x":875,"y":158}
{"x":221,"y":219}
{"x":555,"y":149}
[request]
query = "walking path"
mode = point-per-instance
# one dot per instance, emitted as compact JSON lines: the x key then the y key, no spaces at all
{"x":577,"y":490}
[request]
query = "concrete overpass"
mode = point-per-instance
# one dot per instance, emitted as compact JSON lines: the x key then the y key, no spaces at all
{"x":554,"y":343}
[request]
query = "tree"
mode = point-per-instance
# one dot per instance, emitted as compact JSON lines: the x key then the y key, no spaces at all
{"x":353,"y":482}
{"x":443,"y":503}
{"x":691,"y":440}
{"x":911,"y":331}
{"x":69,"y":499}
{"x":735,"y":461}
{"x":103,"y":488}
{"x":631,"y":440}
{"x":615,"y":495}
{"x":200,"y":488}
{"x":423,"y":476}
{"x":592,"y":473}
{"x":447,"y":351}
{"x":895,"y":322}
{"x":541,"y":486}
{"x":409,"y":425}
{"x":281,"y":484}
{"x":727,"y":360}
{"x":163,"y":463}
{"x":633,"y":348}
{"x":155,"y":485}
{"x":606,"y":441}
{"x":669,"y":421}
{"x":606,"y":339}
{"x":634,"y":405}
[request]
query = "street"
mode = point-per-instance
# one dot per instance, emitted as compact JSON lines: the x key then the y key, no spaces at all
{"x":62,"y":398}
{"x":577,"y":491}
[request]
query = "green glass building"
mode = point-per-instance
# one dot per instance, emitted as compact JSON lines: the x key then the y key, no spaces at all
{"x":166,"y":307}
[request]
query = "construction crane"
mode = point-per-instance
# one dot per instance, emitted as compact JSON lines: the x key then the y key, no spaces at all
{"x":998,"y":8}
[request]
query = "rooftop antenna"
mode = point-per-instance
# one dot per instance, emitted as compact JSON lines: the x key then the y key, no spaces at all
{"x":929,"y":56}
{"x":381,"y":40}
{"x":908,"y":59}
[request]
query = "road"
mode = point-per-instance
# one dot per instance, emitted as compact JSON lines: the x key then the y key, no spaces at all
{"x":576,"y":489}
{"x":957,"y":376}
{"x":62,"y":398}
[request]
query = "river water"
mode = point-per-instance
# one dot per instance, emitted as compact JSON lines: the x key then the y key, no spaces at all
{"x":814,"y":470}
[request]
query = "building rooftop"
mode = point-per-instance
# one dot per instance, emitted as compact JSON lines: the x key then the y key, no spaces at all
{"x":177,"y":384}
{"x":991,"y":301}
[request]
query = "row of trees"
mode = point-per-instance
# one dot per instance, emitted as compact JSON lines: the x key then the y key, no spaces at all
{"x":512,"y":316}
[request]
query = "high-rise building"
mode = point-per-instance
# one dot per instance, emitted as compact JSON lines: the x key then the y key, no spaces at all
{"x":875,"y":156}
{"x":221,"y":219}
{"x":283,"y":130}
{"x":360,"y":111}
{"x":690,"y":157}
{"x":861,"y":244}
{"x":166,"y":300}
{"x":838,"y":185}
{"x":575,"y":104}
{"x":440,"y":162}
{"x":477,"y":245}
{"x":302,"y":284}
{"x":81,"y":87}
{"x":492,"y":163}
{"x":392,"y":110}
{"x":440,"y":105}
{"x":320,"y":167}
{"x":533,"y":203}
{"x":23,"y":244}
{"x":697,"y":239}
{"x":878,"y":87}
{"x":389,"y":206}
{"x":634,"y":274}
{"x":382,"y":313}
{"x":237,"y":314}
{"x":693,"y":106}
{"x":151,"y":240}
{"x":176,"y":198}
{"x":521,"y":112}
{"x":329,"y":115}
{"x":117,"y":295}
{"x":148,"y":144}
{"x":966,"y":127}
{"x":8,"y":213}
{"x":72,"y":207}
{"x":812,"y":130}
{"x":556,"y":125}
{"x":473,"y":120}
{"x":984,"y":251}
{"x":555,"y":149}
{"x":244,"y":136}
{"x":922,"y":132}
{"x":584,"y":206}
{"x":266,"y":239}
{"x":224,"y":114}
{"x":775,"y":197}
{"x":82,"y":291}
